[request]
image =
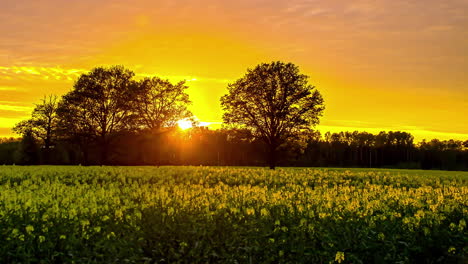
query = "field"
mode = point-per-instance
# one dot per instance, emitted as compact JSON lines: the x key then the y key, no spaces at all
{"x":231,"y":215}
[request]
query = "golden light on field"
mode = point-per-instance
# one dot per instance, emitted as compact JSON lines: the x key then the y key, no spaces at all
{"x":380,"y":65}
{"x":184,"y":124}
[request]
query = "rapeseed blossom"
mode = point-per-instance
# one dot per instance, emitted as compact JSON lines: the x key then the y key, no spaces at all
{"x":254,"y":209}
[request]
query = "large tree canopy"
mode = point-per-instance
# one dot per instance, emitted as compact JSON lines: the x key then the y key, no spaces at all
{"x":275,"y":101}
{"x":159,"y":106}
{"x":100,"y":105}
{"x":161,"y":103}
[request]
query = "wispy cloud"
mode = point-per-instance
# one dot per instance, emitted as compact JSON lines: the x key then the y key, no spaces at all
{"x":35,"y":72}
{"x":64,"y":74}
{"x":8,"y":88}
{"x":187,"y":78}
{"x":15,"y":108}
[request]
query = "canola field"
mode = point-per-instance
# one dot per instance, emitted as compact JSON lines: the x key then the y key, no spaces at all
{"x":80,"y":214}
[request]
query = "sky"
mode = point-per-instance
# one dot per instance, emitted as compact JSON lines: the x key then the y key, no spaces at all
{"x":380,"y":65}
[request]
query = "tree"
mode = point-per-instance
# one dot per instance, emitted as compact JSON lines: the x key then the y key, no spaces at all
{"x":275,"y":101}
{"x":43,"y":123}
{"x":28,"y":154}
{"x":159,"y":106}
{"x":99,"y":107}
{"x":7,"y":147}
{"x":161,"y":103}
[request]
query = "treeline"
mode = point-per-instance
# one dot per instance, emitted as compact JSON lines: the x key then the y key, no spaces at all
{"x":111,"y":118}
{"x":235,"y":147}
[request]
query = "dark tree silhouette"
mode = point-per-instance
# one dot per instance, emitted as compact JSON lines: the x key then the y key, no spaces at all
{"x":275,"y":101}
{"x":43,"y":124}
{"x":28,"y":151}
{"x":100,"y":106}
{"x":161,"y":103}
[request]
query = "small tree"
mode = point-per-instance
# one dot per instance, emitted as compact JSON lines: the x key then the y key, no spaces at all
{"x":43,"y":123}
{"x":275,"y":102}
{"x":28,"y":153}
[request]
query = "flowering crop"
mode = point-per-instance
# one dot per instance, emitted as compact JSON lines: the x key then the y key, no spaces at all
{"x":231,"y":215}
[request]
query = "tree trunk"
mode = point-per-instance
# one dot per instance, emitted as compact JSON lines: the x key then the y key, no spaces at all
{"x":85,"y":152}
{"x":272,"y":156}
{"x":47,"y":146}
{"x":155,"y":149}
{"x":48,"y":141}
{"x":104,"y":151}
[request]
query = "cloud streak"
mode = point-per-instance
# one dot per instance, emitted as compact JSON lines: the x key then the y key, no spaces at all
{"x":35,"y":72}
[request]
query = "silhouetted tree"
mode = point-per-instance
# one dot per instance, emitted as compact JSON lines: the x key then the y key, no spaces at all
{"x":159,"y":105}
{"x":275,"y":101}
{"x":99,"y":107}
{"x":8,"y":146}
{"x":43,"y":124}
{"x":28,"y":152}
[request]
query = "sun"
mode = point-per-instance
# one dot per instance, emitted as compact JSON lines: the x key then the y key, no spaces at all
{"x":184,"y":124}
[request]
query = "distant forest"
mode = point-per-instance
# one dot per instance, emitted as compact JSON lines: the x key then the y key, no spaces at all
{"x":110,"y":118}
{"x":224,"y":147}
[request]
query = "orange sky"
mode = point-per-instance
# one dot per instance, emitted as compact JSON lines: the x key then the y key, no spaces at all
{"x":380,"y":65}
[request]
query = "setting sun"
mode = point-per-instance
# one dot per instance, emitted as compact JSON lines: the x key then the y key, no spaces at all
{"x":184,"y":124}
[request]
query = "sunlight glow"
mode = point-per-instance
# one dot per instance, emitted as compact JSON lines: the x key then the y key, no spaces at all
{"x":184,"y":124}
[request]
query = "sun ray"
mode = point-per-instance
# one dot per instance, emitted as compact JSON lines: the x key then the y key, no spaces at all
{"x":184,"y":124}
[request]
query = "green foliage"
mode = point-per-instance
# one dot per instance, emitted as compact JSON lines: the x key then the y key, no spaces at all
{"x":231,"y":215}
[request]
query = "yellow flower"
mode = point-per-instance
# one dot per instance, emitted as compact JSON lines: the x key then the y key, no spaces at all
{"x":339,"y":257}
{"x":451,"y":250}
{"x":111,"y":234}
{"x":461,"y":225}
{"x":29,"y":229}
{"x":14,"y":232}
{"x":303,"y":222}
{"x":45,"y":217}
{"x":381,"y":236}
{"x":452,"y":226}
{"x":250,"y":211}
{"x":84,"y":223}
